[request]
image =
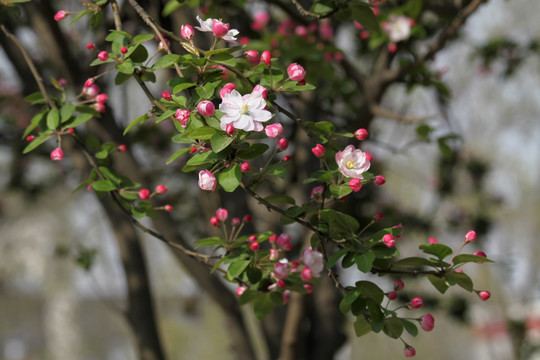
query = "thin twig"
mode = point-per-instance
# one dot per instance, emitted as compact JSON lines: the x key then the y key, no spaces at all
{"x":31,"y":65}
{"x":378,"y":110}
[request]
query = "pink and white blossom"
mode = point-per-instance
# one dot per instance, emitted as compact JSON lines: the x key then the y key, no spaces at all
{"x":245,"y":112}
{"x":206,"y":108}
{"x":314,"y":261}
{"x":207,"y":180}
{"x":182,"y":115}
{"x":296,"y":72}
{"x":281,"y":269}
{"x":352,"y":162}
{"x":217,"y":28}
{"x":274,"y":130}
{"x":57,"y":154}
{"x":398,"y":28}
{"x":427,"y":322}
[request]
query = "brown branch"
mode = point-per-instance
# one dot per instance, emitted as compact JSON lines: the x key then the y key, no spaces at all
{"x":378,"y":110}
{"x":290,"y":339}
{"x":31,"y":65}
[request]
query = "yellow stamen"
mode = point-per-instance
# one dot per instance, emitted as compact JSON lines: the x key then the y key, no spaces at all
{"x":350,"y":164}
{"x":245,"y":109}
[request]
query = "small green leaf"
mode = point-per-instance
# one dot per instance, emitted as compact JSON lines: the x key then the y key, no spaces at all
{"x":138,"y":120}
{"x":209,"y":241}
{"x":167,"y":61}
{"x":370,"y":291}
{"x":410,"y":327}
{"x":393,"y":327}
{"x":79,"y":120}
{"x":462,"y":279}
{"x":465,"y":258}
{"x":53,"y":119}
{"x":167,"y":114}
{"x":176,"y":155}
{"x":202,"y":133}
{"x":36,"y":142}
{"x":361,"y":326}
{"x":66,"y":111}
{"x":137,"y":53}
{"x":125,"y":67}
{"x":340,"y":225}
{"x":143,"y":38}
{"x":230,"y":178}
{"x":439,"y":250}
{"x":280,"y":199}
{"x":103,"y":185}
{"x":34,"y":123}
{"x":219,"y":141}
{"x":351,"y":296}
{"x":224,"y":59}
{"x":364,"y":262}
{"x":254,"y":151}
{"x":35,"y":98}
{"x":340,"y":191}
{"x":414,"y":261}
{"x":121,"y":78}
{"x":440,"y":284}
{"x":334,"y":258}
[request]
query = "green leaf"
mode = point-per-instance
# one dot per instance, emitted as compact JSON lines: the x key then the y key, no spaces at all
{"x":382,"y":251}
{"x":167,"y":61}
{"x":36,"y":142}
{"x":103,"y":185}
{"x":393,"y":327}
{"x":176,"y":155}
{"x":264,"y":303}
{"x":96,"y":19}
{"x":348,"y":260}
{"x":340,"y":225}
{"x":439,"y":250}
{"x":208,"y":241}
{"x":371,"y":291}
{"x":364,"y":262}
{"x":117,"y":35}
{"x":167,"y":114}
{"x":224,"y":59}
{"x":465,"y":258}
{"x":53,"y":119}
{"x":295,"y":211}
{"x":230,"y":178}
{"x":200,"y":160}
{"x":34,"y":123}
{"x":202,"y":133}
{"x":183,"y":86}
{"x":334,"y":258}
{"x":125,"y":67}
{"x":410,"y":327}
{"x":362,"y":13}
{"x":340,"y":191}
{"x":254,"y":151}
{"x":66,"y":111}
{"x":219,"y":141}
{"x":35,"y":98}
{"x":80,"y":15}
{"x":361,"y":326}
{"x":322,"y":7}
{"x":110,"y":175}
{"x":237,"y":268}
{"x":344,"y":307}
{"x":351,"y":296}
{"x":423,"y":131}
{"x":462,"y":279}
{"x":280,"y":199}
{"x":440,"y":284}
{"x":79,"y":120}
{"x":121,"y":78}
{"x":254,"y":275}
{"x":138,"y":53}
{"x":143,"y":38}
{"x":414,"y":261}
{"x":132,"y":124}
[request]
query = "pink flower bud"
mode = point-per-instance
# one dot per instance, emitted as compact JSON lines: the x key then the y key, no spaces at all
{"x":282,"y":144}
{"x":409,"y":351}
{"x":61,"y":15}
{"x":187,"y":32}
{"x":100,"y":107}
{"x":229,"y":129}
{"x":103,"y":56}
{"x":182,"y":115}
{"x":166,"y":95}
{"x":144,"y":194}
{"x":392,"y":48}
{"x":432,"y":240}
{"x":309,"y":288}
{"x":57,"y":154}
{"x":227,"y":89}
{"x":124,"y":50}
{"x":427,"y":322}
{"x":379,"y":180}
{"x":161,"y":189}
{"x":214,"y":221}
{"x":240,"y":290}
{"x":484,"y":295}
{"x":389,"y":240}
{"x":252,"y":57}
{"x":90,"y":46}
{"x":355,"y":185}
{"x":272,"y":238}
{"x":262,"y":90}
{"x":192,"y":149}
{"x":89,"y":83}
{"x":247,"y":219}
{"x":266,"y":57}
{"x":30,"y":138}
{"x":416,"y":303}
{"x":245,"y":167}
{"x":62,"y":82}
{"x":282,"y":284}
{"x":168,"y":208}
{"x":219,"y":28}
{"x":470,"y":236}
{"x":369,"y":157}
{"x":281,"y":269}
{"x":235,"y":221}
{"x":273,"y":130}
{"x":392,"y":295}
{"x":122,"y":148}
{"x":283,"y":239}
{"x":206,"y":108}
{"x":254,"y":246}
{"x":222,"y":214}
{"x":399,"y":285}
{"x":102,"y":98}
{"x":361,"y":134}
{"x":364,"y":34}
{"x":306,"y":275}
{"x":260,"y":19}
{"x":378,"y":217}
{"x":480,"y":253}
{"x":318,"y":150}
{"x":161,"y":46}
{"x":288,"y":247}
{"x":207,"y":180}
{"x":287,"y":158}
{"x":296,"y":72}
{"x":274,"y":255}
{"x":317,"y":193}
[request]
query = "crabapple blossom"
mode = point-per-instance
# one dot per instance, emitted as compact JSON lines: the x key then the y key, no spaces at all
{"x":379,"y":180}
{"x":427,"y":322}
{"x":187,"y":32}
{"x":416,"y":303}
{"x":235,"y":221}
{"x":286,"y":295}
{"x":409,"y":351}
{"x":61,"y":15}
{"x":247,"y":218}
{"x":318,"y":150}
{"x":207,"y":180}
{"x":392,"y":295}
{"x":254,"y":246}
{"x":484,"y":295}
{"x":227,"y":89}
{"x":480,"y":253}
{"x":361,"y":134}
{"x":432,"y":240}
{"x":214,"y":221}
{"x":317,"y":193}
{"x":281,"y":269}
{"x":309,"y":288}
{"x":287,"y":158}
{"x":30,"y":138}
{"x":100,"y":107}
{"x":102,"y":98}
{"x":282,"y":284}
{"x":90,"y":91}
{"x":229,"y":129}
{"x":103,"y":56}
{"x":57,"y":154}
{"x":62,"y":82}
{"x":273,"y":130}
{"x":222,"y":214}
{"x":378,"y":217}
{"x":296,"y":72}
{"x":262,"y":90}
{"x":355,"y":185}
{"x":352,"y":162}
{"x":274,"y":255}
{"x":168,"y":208}
{"x":240,"y":290}
{"x":313,"y":260}
{"x":389,"y":240}
{"x":245,"y":167}
{"x":253,"y":57}
{"x":206,"y":108}
{"x":470,"y":236}
{"x":122,"y":148}
{"x":161,"y":189}
{"x":90,"y":46}
{"x":144,"y":194}
{"x":398,"y":28}
{"x":283,"y":239}
{"x":282,"y":144}
{"x":266,"y":57}
{"x":245,"y":112}
{"x":260,"y":19}
{"x":124,"y":50}
{"x":306,"y":274}
{"x":399,"y":285}
{"x":219,"y":29}
{"x":182,"y":115}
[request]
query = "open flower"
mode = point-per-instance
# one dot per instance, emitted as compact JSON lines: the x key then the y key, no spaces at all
{"x":217,"y":28}
{"x":313,"y":260}
{"x":244,"y":112}
{"x":398,"y":28}
{"x":207,"y":180}
{"x":352,"y":162}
